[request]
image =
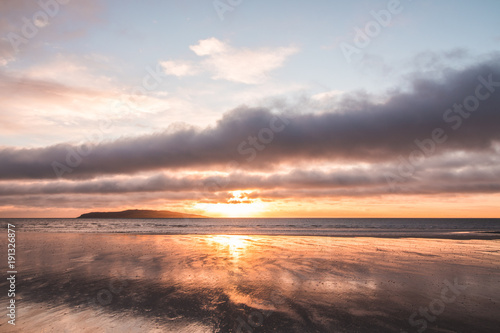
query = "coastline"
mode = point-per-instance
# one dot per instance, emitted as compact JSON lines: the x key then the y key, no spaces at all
{"x":380,"y":235}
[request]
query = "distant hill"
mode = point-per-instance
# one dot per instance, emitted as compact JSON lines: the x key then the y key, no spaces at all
{"x":138,"y":214}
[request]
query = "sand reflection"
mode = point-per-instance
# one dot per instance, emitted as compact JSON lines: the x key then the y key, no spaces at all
{"x":233,"y":245}
{"x":289,"y":283}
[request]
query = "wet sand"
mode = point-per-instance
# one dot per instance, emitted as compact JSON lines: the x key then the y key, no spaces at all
{"x":202,"y":283}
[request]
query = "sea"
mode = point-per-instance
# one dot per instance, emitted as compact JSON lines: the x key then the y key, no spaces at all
{"x":338,"y":227}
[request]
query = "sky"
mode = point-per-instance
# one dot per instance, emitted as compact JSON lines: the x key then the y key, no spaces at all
{"x":234,"y":108}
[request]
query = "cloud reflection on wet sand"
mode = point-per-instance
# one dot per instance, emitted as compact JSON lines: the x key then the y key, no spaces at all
{"x":203,"y":283}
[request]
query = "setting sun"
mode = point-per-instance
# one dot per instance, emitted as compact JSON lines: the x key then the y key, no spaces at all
{"x":233,"y":210}
{"x":237,"y":206}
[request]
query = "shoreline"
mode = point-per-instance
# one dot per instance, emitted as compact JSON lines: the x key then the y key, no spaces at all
{"x":460,"y":235}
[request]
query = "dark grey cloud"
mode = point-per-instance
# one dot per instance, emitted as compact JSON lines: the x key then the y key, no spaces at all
{"x":356,"y":130}
{"x":451,"y":173}
{"x":201,"y":184}
{"x":90,"y":201}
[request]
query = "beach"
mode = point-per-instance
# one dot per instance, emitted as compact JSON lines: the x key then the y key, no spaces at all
{"x":104,"y":282}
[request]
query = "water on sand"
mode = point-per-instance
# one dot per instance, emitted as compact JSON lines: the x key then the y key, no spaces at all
{"x":126,"y":282}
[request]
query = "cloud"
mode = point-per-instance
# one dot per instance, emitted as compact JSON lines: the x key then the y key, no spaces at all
{"x":178,"y":68}
{"x":449,"y":173}
{"x":446,"y":176}
{"x":50,"y":22}
{"x":233,"y":64}
{"x":58,"y":101}
{"x":211,"y":46}
{"x":327,"y":95}
{"x":47,"y":110}
{"x":197,"y":183}
{"x":73,"y":70}
{"x":357,"y":130}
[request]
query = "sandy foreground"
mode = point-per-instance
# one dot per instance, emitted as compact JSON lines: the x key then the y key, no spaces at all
{"x":204,"y":283}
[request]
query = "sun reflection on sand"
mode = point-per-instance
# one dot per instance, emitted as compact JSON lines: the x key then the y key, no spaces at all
{"x":195,"y":277}
{"x":235,"y":245}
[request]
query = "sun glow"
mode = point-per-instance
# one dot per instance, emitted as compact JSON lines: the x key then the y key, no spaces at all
{"x":235,"y":244}
{"x":232,"y":210}
{"x":235,"y":241}
{"x":237,"y":206}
